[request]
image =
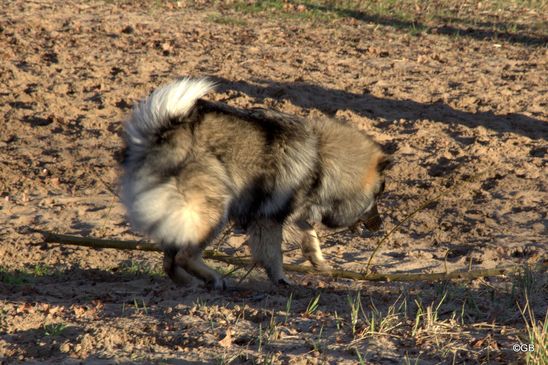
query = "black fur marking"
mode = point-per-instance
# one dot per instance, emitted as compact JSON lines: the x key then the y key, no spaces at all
{"x":248,"y":206}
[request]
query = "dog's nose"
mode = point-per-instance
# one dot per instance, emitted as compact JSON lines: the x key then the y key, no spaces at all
{"x":374,"y":223}
{"x":372,"y":220}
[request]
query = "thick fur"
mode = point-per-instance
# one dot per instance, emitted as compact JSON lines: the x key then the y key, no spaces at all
{"x":191,"y":165}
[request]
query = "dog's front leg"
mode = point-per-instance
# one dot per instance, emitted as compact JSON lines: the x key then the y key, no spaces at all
{"x":265,"y":241}
{"x":302,"y":233}
{"x":310,"y":246}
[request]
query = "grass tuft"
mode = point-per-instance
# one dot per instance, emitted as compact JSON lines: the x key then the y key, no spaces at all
{"x":313,"y":305}
{"x":537,"y":335}
{"x":226,"y":20}
{"x":54,"y":329}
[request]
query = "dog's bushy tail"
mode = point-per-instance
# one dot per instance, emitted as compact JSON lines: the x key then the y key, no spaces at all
{"x":174,"y":100}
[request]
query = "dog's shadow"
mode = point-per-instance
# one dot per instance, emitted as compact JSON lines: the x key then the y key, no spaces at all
{"x":329,"y":101}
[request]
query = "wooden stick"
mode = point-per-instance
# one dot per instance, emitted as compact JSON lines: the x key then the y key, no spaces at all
{"x":397,"y":226}
{"x":242,"y":261}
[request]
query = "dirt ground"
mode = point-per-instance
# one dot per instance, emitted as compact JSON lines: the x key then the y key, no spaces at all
{"x":464,"y":113}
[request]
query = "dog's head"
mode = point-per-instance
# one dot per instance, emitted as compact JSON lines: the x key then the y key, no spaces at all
{"x":356,"y":181}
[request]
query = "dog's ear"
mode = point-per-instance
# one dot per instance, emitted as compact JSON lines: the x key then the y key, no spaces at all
{"x":384,"y":163}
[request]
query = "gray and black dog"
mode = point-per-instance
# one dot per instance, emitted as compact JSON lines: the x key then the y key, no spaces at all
{"x":191,"y":165}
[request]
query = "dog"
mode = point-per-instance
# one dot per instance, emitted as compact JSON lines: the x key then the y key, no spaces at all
{"x":192,"y":165}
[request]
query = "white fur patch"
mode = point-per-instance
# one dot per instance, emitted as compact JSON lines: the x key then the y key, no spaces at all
{"x":170,"y":101}
{"x":167,"y":217}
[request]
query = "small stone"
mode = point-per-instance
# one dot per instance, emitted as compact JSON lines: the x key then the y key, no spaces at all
{"x":65,"y":347}
{"x":128,"y":30}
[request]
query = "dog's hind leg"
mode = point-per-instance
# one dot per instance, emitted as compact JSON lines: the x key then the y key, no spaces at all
{"x":265,"y":241}
{"x":201,"y":220}
{"x":174,"y":271}
{"x":198,"y":214}
{"x":191,"y":260}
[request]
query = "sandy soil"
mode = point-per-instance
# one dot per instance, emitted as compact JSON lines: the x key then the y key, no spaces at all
{"x":464,"y":117}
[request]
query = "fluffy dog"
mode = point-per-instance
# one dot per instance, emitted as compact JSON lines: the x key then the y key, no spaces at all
{"x":192,"y":165}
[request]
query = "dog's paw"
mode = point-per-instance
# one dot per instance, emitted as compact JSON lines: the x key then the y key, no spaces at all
{"x":217,"y":284}
{"x":284,"y":282}
{"x":322,"y":266}
{"x":181,"y":277}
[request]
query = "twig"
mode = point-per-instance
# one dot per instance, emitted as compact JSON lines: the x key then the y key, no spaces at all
{"x":409,"y":216}
{"x":247,"y":273}
{"x":240,"y":261}
{"x":226,"y":233}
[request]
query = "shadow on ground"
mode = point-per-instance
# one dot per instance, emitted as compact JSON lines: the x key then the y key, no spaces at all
{"x":174,"y":317}
{"x":483,"y":30}
{"x":329,"y":101}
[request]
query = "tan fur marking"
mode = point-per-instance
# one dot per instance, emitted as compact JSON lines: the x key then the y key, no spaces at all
{"x":371,"y":174}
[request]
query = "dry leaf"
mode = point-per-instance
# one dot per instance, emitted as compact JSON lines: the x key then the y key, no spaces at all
{"x":83,"y":311}
{"x":78,"y":311}
{"x":478,"y":343}
{"x":288,"y":7}
{"x":226,"y":342}
{"x":55,"y":310}
{"x":25,"y":308}
{"x":98,"y":304}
